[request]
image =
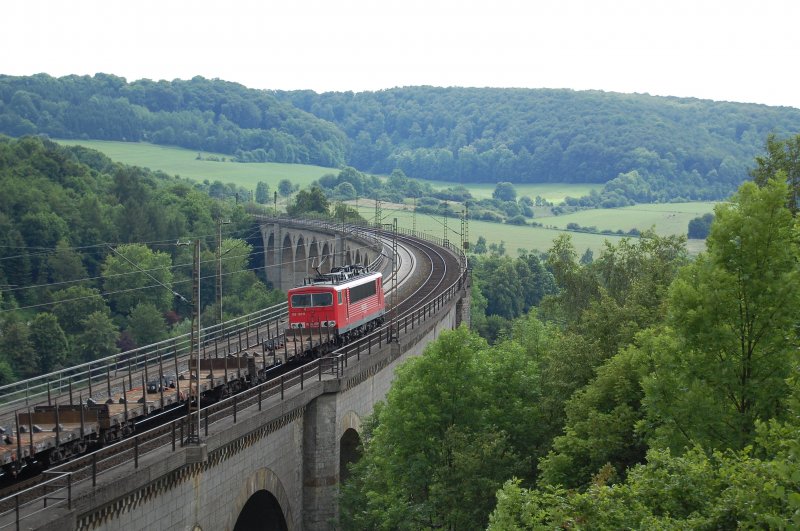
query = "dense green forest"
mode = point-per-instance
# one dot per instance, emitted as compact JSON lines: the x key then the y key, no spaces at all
{"x":635,"y":389}
{"x":646,"y":148}
{"x":522,"y":135}
{"x":89,"y":258}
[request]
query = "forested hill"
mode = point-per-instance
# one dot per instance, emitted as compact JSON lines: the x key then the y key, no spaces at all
{"x":523,"y":135}
{"x":202,"y":114}
{"x":678,"y":147}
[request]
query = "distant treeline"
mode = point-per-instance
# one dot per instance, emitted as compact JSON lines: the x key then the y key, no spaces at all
{"x":654,"y":148}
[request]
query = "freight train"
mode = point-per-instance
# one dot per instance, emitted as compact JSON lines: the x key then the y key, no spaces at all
{"x":328,"y":310}
{"x":50,"y":434}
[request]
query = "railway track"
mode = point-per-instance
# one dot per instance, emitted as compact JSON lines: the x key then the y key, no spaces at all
{"x":436,"y":261}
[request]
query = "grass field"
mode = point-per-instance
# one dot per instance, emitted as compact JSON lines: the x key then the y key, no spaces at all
{"x":665,"y":218}
{"x":553,"y":192}
{"x":183,"y":162}
{"x":541,"y":238}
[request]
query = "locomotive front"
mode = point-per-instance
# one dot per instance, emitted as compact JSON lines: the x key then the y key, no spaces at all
{"x":312,"y":307}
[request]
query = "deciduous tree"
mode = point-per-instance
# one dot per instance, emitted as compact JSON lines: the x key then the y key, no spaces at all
{"x":434,"y":453}
{"x":146,"y":324}
{"x":49,"y":342}
{"x":17,"y":348}
{"x":782,"y":157}
{"x":735,"y":311}
{"x":135,"y":274}
{"x":754,"y":488}
{"x":262,"y":193}
{"x":505,"y":192}
{"x":285,"y":187}
{"x":74,"y":304}
{"x":311,"y":201}
{"x":98,"y":339}
{"x":602,"y":417}
{"x":65,"y":264}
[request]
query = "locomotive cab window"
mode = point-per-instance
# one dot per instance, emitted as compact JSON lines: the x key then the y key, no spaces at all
{"x":308,"y":300}
{"x":301,"y":301}
{"x":322,"y":299}
{"x":339,"y":297}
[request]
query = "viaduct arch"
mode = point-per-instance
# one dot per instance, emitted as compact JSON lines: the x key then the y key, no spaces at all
{"x":292,"y":250}
{"x":260,"y":503}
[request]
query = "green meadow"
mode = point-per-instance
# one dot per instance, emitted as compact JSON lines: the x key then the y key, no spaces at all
{"x":552,"y":192}
{"x":184,"y":162}
{"x":642,"y":217}
{"x":670,"y":218}
{"x":667,"y":218}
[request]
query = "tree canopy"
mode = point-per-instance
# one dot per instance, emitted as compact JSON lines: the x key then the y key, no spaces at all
{"x":437,"y":447}
{"x":505,"y":191}
{"x":310,"y":201}
{"x":782,"y":157}
{"x":734,"y":311}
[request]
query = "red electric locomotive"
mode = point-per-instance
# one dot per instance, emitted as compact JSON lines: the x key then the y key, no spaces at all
{"x":340,"y":305}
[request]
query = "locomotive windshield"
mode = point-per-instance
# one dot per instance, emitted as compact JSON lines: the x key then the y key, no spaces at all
{"x":308,"y":300}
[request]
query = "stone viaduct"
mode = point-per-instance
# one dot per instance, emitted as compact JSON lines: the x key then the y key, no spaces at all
{"x":292,"y":250}
{"x":278,"y":467}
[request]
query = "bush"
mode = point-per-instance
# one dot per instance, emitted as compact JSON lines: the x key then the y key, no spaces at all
{"x":427,"y":201}
{"x":491,"y":216}
{"x":699,"y":227}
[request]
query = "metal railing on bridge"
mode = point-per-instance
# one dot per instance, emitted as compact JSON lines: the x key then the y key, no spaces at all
{"x":96,"y":376}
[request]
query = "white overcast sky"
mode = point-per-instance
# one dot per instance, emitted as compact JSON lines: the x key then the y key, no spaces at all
{"x":730,"y":50}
